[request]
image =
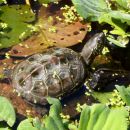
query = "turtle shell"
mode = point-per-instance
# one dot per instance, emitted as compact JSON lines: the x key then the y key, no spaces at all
{"x":56,"y":72}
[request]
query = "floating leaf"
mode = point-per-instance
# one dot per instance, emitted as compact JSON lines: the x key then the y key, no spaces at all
{"x":51,"y":122}
{"x":17,"y":19}
{"x":7,"y":112}
{"x":91,"y":9}
{"x":100,"y":117}
{"x":125,"y":93}
{"x":27,"y":125}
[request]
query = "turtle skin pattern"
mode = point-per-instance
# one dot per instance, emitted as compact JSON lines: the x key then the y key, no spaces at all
{"x":56,"y":72}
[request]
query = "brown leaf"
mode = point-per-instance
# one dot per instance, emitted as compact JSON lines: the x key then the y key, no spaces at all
{"x":64,"y":34}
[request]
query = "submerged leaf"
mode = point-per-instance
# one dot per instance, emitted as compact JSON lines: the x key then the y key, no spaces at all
{"x":17,"y":19}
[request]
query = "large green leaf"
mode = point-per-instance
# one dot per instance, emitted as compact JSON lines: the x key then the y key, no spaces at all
{"x":52,"y":122}
{"x":17,"y":18}
{"x":100,"y":117}
{"x":125,"y":93}
{"x":27,"y":125}
{"x":7,"y":112}
{"x":91,"y":9}
{"x":123,"y":3}
{"x":102,"y":97}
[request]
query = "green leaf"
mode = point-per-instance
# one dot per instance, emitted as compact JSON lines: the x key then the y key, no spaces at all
{"x":47,"y":1}
{"x":54,"y":121}
{"x":116,"y":42}
{"x":17,"y":19}
{"x":125,"y":93}
{"x":7,"y":112}
{"x":27,"y":125}
{"x":123,"y":3}
{"x":119,"y":28}
{"x":122,"y":16}
{"x":100,"y":117}
{"x":91,"y":9}
{"x":4,"y":126}
{"x":102,"y":97}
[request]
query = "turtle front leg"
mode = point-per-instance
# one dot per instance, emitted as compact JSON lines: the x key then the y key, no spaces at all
{"x":106,"y":79}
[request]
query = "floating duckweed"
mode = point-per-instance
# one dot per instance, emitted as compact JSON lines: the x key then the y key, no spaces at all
{"x":88,"y":87}
{"x":105,"y":50}
{"x":28,"y":112}
{"x":7,"y":55}
{"x":58,"y":18}
{"x":87,"y":94}
{"x":33,"y":28}
{"x":116,"y":100}
{"x":56,"y":2}
{"x":21,"y":36}
{"x":52,"y":29}
{"x":70,"y":14}
{"x":3,"y":25}
{"x":45,"y":5}
{"x":65,"y":116}
{"x":79,"y":107}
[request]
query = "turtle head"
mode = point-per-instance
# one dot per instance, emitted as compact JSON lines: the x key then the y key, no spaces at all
{"x":93,"y":47}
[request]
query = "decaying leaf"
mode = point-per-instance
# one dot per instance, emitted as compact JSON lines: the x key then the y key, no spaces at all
{"x":52,"y":32}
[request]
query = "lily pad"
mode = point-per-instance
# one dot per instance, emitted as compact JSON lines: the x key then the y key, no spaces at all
{"x":17,"y":19}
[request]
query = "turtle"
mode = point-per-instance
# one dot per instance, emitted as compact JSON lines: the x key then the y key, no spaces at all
{"x":56,"y":72}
